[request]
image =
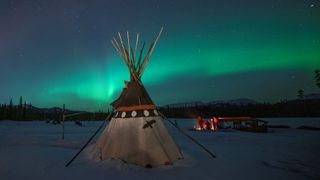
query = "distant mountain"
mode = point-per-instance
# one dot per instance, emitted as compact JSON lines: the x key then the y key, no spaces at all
{"x":242,"y":101}
{"x":185,"y":104}
{"x":312,"y":96}
{"x":51,"y":110}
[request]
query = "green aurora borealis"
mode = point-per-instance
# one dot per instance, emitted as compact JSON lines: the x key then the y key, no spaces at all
{"x":210,"y":50}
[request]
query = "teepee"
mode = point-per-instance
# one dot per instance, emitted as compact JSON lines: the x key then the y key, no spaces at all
{"x":136,"y":133}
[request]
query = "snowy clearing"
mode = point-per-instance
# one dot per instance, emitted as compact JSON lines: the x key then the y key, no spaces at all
{"x":35,"y":150}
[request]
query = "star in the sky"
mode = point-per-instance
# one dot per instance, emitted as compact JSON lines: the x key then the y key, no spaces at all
{"x":256,"y":36}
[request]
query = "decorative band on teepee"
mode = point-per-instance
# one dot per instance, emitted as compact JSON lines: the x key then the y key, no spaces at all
{"x":135,"y":108}
{"x":136,"y":114}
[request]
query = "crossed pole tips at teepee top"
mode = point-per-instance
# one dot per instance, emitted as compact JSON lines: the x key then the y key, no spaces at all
{"x":129,"y":55}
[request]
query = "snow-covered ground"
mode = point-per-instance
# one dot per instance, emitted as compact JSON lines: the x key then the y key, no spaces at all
{"x":35,"y":150}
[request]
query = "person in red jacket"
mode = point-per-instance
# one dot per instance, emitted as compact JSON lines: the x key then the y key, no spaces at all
{"x":200,"y":122}
{"x":215,"y":123}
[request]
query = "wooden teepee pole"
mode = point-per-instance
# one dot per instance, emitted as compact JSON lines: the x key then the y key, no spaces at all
{"x":143,"y":64}
{"x":128,"y":60}
{"x":124,"y":50}
{"x":147,"y":58}
{"x":118,"y":50}
{"x":140,"y":56}
{"x":135,"y":50}
{"x":128,"y":39}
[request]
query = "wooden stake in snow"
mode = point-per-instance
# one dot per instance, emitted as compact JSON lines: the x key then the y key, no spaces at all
{"x":63,"y":118}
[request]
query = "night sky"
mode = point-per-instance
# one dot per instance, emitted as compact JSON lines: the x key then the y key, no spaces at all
{"x":54,"y":52}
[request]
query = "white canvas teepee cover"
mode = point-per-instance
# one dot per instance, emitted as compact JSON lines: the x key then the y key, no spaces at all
{"x":136,"y":134}
{"x":143,"y":141}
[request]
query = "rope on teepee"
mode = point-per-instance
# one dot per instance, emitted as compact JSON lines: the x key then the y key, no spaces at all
{"x":75,"y":156}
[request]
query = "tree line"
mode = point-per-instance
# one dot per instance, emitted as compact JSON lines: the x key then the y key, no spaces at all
{"x":25,"y":112}
{"x":296,"y":108}
{"x":301,"y":107}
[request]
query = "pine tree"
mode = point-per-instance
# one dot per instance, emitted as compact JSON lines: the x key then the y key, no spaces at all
{"x":10,"y":110}
{"x":5,"y":112}
{"x":317,"y":76}
{"x":24,"y":110}
{"x":1,"y":112}
{"x":10,"y":104}
{"x":20,"y":103}
{"x":300,"y":94}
